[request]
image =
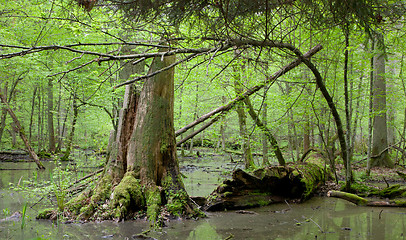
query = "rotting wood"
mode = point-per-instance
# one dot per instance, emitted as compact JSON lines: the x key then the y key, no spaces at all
{"x":266,"y":186}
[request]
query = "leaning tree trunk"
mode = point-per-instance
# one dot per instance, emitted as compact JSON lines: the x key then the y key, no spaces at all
{"x":145,"y":176}
{"x":20,"y":130}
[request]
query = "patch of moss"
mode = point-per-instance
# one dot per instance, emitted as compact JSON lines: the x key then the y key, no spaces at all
{"x":177,"y":202}
{"x":392,"y":191}
{"x":46,"y":213}
{"x":103,"y":189}
{"x":127,"y":195}
{"x":227,"y":194}
{"x":86,"y":211}
{"x":75,"y":204}
{"x":153,"y":202}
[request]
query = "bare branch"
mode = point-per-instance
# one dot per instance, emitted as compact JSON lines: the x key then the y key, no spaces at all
{"x":251,"y":91}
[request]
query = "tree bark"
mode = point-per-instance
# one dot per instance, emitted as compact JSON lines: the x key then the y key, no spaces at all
{"x":51,"y":132}
{"x":145,"y":175}
{"x":20,"y":130}
{"x":380,"y":129}
{"x":348,"y":172}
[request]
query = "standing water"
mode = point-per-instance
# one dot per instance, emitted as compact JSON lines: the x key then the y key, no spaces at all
{"x":318,"y":218}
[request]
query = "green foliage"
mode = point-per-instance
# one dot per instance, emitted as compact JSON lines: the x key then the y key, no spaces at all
{"x":23,"y":216}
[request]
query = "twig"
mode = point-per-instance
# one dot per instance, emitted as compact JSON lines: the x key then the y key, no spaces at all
{"x":229,"y":237}
{"x":191,"y":56}
{"x":321,"y":230}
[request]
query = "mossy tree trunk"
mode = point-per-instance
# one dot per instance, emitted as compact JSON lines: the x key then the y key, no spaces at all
{"x":242,"y":118}
{"x":142,"y":174}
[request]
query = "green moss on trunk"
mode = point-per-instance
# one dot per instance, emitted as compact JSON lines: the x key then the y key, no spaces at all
{"x":153,"y":202}
{"x":128,"y":195}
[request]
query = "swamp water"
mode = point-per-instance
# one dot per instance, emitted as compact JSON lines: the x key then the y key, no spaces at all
{"x":318,"y":218}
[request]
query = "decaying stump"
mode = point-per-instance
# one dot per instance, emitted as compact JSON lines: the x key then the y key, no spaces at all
{"x":266,"y":186}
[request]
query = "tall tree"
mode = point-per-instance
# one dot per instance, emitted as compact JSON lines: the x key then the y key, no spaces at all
{"x":380,"y":156}
{"x":51,"y":132}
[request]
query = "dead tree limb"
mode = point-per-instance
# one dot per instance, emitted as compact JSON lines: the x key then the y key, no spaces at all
{"x":365,"y":202}
{"x":20,"y":130}
{"x":269,"y":135}
{"x":250,"y":91}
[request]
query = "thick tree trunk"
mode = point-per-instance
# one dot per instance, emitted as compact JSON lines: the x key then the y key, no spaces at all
{"x":145,"y":176}
{"x":21,"y":132}
{"x":380,"y":129}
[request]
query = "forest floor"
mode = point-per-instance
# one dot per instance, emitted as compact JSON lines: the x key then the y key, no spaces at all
{"x":379,"y":178}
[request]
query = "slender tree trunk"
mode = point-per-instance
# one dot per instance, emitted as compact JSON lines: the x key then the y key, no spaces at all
{"x":69,"y":141}
{"x":51,"y":133}
{"x":268,"y":133}
{"x":306,"y":132}
{"x":380,"y":156}
{"x":3,"y":114}
{"x":391,"y":106}
{"x":348,"y":179}
{"x":246,"y":149}
{"x":370,"y":110}
{"x":21,"y":132}
{"x":39,"y":122}
{"x":32,"y":111}
{"x":265,"y":161}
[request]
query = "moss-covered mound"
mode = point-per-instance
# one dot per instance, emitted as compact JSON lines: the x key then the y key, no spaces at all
{"x":265,"y":186}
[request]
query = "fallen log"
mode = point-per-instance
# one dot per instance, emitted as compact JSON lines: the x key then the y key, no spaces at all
{"x":266,"y":186}
{"x":357,"y":200}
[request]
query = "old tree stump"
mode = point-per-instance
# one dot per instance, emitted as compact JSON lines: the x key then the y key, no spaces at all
{"x":266,"y":186}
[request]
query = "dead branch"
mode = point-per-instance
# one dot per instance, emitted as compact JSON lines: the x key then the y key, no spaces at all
{"x":365,"y":202}
{"x":269,"y":135}
{"x":250,"y":91}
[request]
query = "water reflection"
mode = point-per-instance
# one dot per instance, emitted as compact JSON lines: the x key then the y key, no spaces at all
{"x":319,"y":218}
